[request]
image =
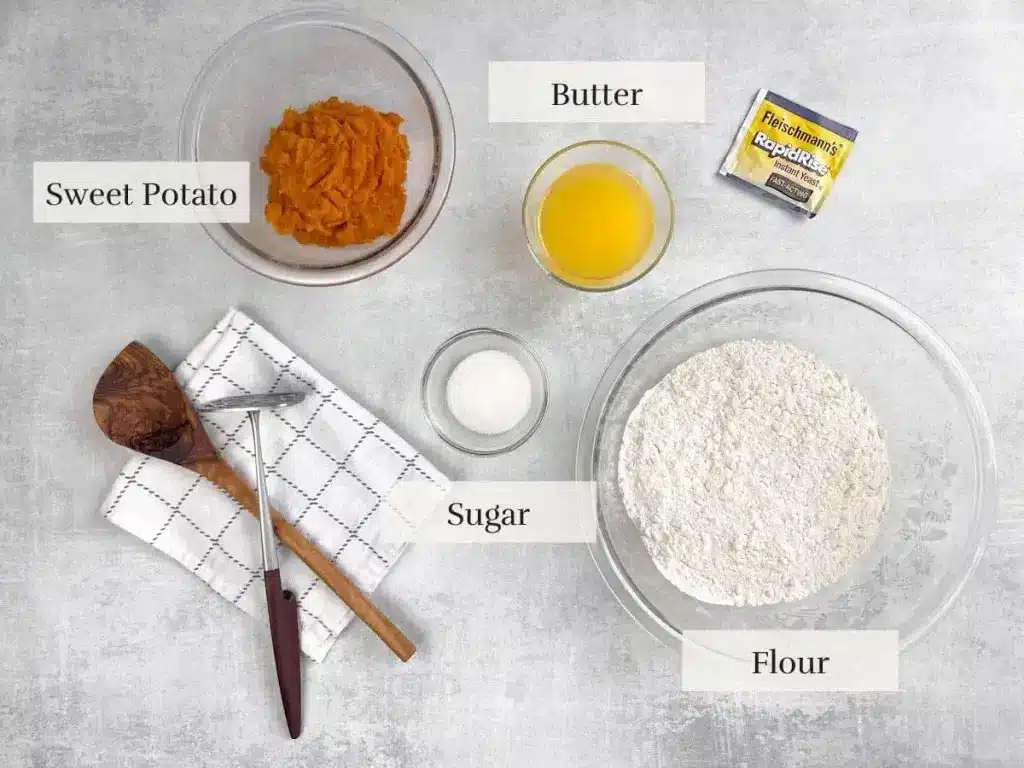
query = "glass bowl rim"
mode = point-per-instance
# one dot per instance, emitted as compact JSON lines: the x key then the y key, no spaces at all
{"x":761,"y":281}
{"x":443,"y":128}
{"x":644,"y":158}
{"x":455,"y":339}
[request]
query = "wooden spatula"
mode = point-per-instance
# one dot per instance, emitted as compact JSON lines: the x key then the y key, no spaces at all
{"x":138,"y":404}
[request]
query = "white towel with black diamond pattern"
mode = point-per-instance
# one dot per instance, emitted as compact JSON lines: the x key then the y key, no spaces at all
{"x":329,"y":465}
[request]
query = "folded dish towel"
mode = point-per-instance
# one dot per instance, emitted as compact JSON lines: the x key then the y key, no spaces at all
{"x":329,"y":465}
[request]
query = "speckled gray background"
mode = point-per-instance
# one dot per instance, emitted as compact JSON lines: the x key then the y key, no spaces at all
{"x":111,"y":655}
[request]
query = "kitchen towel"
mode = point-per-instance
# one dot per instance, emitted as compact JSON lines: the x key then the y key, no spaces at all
{"x":329,"y":463}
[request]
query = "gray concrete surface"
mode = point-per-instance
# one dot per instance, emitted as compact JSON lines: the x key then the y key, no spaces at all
{"x":110,"y":655}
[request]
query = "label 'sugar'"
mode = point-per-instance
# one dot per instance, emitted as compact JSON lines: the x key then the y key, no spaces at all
{"x":789,"y":151}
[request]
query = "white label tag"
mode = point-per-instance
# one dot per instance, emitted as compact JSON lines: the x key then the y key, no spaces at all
{"x":595,"y":92}
{"x":140,"y":193}
{"x":791,"y":660}
{"x":490,"y":513}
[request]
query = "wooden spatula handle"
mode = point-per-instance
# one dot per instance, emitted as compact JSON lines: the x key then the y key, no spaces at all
{"x":218,"y":472}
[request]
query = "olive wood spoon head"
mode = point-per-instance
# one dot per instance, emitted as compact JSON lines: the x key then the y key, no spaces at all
{"x":138,"y":404}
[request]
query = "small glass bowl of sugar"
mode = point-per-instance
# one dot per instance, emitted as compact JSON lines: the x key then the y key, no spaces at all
{"x":484,"y":391}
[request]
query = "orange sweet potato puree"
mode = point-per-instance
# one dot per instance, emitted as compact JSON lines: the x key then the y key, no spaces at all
{"x":337,"y":174}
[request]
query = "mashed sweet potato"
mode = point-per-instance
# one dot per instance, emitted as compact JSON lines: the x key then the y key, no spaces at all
{"x":337,"y":173}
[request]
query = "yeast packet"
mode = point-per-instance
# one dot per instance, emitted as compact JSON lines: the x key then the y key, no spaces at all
{"x":789,"y":152}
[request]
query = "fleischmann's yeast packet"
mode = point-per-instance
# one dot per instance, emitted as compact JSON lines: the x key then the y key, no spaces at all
{"x":789,"y":151}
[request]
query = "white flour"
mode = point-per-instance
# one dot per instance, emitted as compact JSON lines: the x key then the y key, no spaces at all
{"x":755,"y":473}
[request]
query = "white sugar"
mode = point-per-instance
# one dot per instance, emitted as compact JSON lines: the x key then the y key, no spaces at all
{"x":489,"y":392}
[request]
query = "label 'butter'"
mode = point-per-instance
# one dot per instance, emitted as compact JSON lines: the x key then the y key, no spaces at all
{"x":789,"y":151}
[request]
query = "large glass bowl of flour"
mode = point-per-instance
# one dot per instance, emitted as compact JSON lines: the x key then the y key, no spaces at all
{"x":942,"y":492}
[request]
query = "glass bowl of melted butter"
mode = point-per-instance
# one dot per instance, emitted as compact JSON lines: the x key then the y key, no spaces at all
{"x":598,"y":215}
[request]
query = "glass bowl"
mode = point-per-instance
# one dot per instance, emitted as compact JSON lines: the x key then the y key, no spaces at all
{"x":295,"y":59}
{"x":435,"y":388}
{"x":943,"y":492}
{"x":626,"y":158}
